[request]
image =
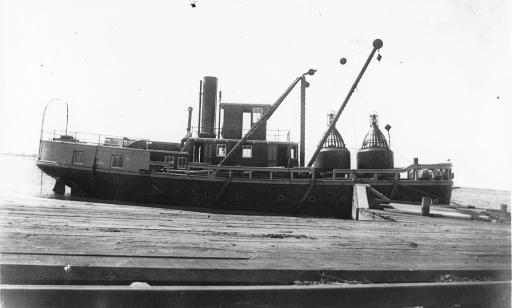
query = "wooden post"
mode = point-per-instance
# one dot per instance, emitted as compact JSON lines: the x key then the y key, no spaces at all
{"x":425,"y":206}
{"x":503,"y":207}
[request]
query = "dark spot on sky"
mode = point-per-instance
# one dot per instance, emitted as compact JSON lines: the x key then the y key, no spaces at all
{"x":497,"y":97}
{"x":192,"y":4}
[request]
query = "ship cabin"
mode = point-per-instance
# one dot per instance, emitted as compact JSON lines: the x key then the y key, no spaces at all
{"x":211,"y":148}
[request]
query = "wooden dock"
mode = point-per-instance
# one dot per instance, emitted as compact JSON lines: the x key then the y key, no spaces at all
{"x":60,"y":242}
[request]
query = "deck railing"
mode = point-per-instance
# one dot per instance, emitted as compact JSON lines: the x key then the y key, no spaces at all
{"x":88,"y":138}
{"x":121,"y":141}
{"x":272,"y":134}
{"x":411,"y":172}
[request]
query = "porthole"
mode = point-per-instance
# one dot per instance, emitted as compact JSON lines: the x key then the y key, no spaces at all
{"x":238,"y":196}
{"x":312,"y":198}
{"x":280,"y":197}
{"x":207,"y":194}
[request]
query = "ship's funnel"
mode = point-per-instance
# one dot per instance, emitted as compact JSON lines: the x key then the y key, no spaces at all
{"x":208,"y":107}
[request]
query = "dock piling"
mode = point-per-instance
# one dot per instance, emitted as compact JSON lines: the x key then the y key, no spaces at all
{"x":425,"y":206}
{"x":503,"y":207}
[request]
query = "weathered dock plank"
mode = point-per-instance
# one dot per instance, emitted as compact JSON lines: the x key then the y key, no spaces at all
{"x":84,"y":242}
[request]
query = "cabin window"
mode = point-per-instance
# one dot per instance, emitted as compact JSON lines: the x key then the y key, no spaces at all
{"x":78,"y":157}
{"x":221,"y":150}
{"x":292,"y":153}
{"x":169,"y":160}
{"x":116,"y":161}
{"x":257,"y":112}
{"x":246,"y":122}
{"x":247,"y":151}
{"x":182,"y":162}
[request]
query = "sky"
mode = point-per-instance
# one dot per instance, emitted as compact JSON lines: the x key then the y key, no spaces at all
{"x":132,"y":68}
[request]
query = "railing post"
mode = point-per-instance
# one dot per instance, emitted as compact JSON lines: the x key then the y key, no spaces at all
{"x":415,"y":169}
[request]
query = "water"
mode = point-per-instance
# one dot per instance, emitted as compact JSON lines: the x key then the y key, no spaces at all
{"x":20,"y":176}
{"x":481,"y":198}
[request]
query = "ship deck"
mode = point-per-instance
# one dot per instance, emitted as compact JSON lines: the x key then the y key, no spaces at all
{"x":58,"y":242}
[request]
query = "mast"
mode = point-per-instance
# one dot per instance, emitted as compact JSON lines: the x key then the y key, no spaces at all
{"x":377,"y":44}
{"x":218,"y":124}
{"x":302,"y":149}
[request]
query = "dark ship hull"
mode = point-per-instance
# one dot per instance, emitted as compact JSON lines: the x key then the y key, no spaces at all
{"x":276,"y":196}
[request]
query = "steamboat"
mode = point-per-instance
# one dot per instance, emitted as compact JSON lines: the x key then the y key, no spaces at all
{"x":233,"y":162}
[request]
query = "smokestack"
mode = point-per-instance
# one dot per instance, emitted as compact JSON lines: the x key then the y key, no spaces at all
{"x":208,"y":107}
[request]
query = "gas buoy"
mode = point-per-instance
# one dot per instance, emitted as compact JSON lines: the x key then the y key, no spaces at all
{"x":375,"y":152}
{"x":334,"y":154}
